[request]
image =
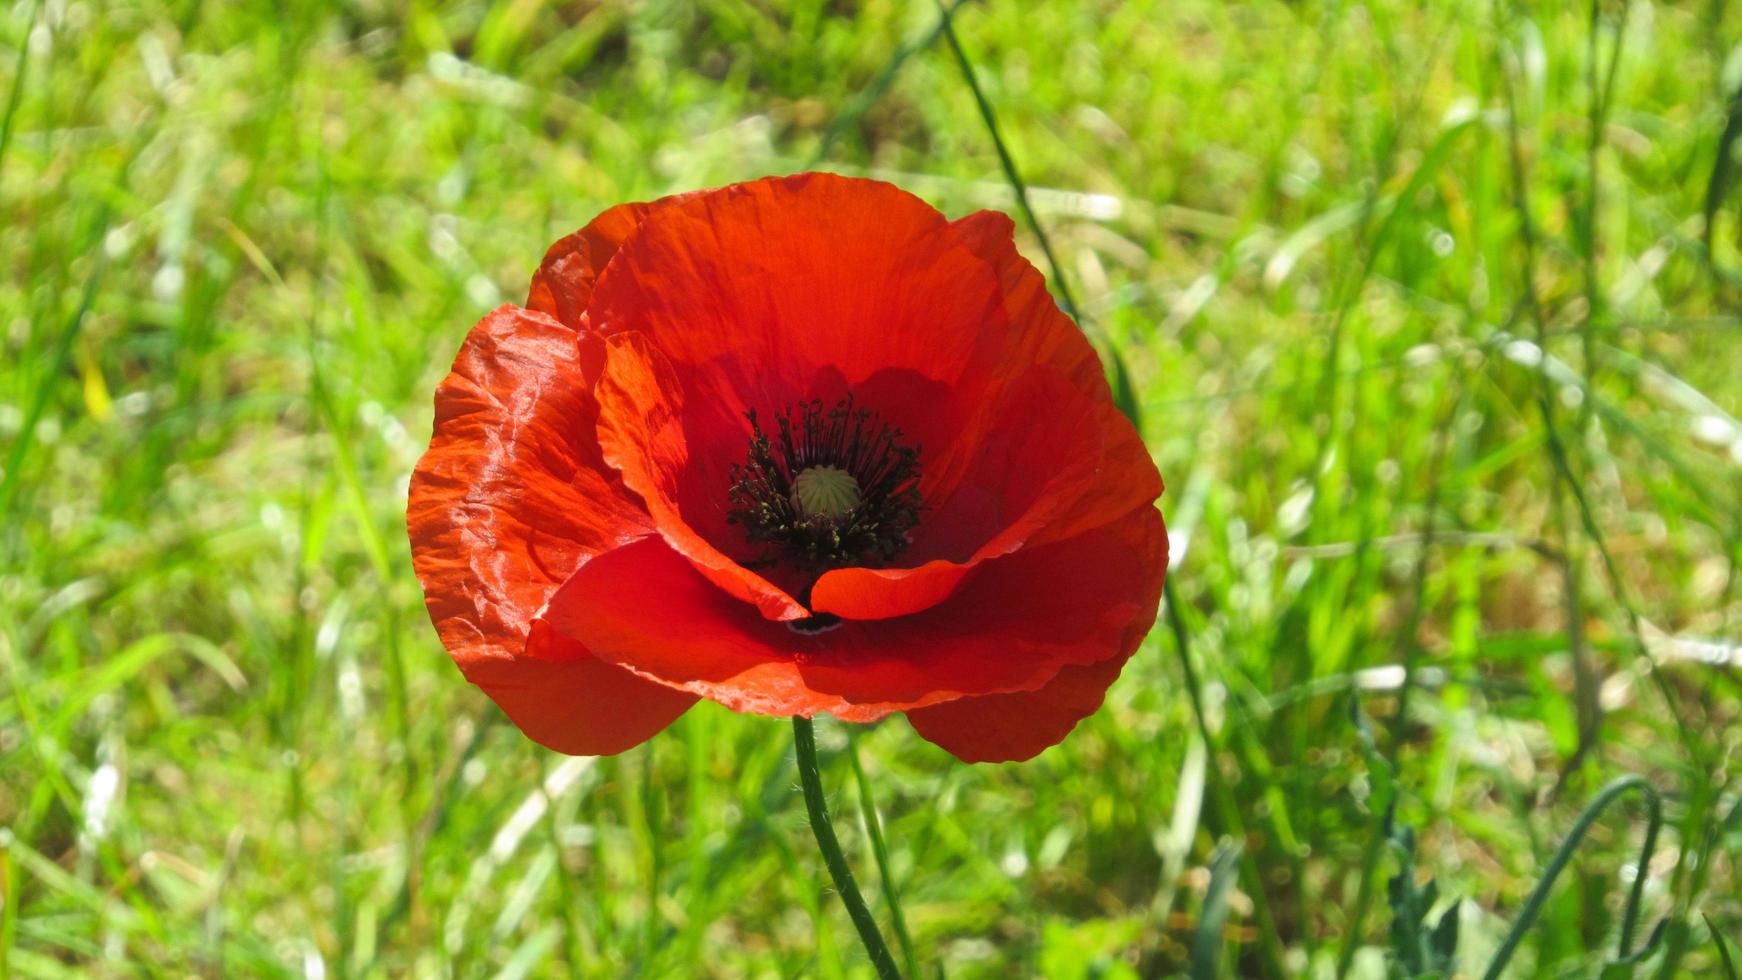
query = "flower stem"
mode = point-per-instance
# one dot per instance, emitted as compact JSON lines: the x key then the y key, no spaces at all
{"x":805,"y":744}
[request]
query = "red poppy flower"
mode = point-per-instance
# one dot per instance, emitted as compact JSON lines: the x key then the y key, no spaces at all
{"x":795,"y":445}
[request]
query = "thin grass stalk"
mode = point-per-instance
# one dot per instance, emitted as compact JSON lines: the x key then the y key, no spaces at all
{"x":816,"y":804}
{"x":1600,"y":93}
{"x":1561,"y":476}
{"x":15,"y":94}
{"x":1222,"y":803}
{"x":1730,"y":970}
{"x":866,"y":97}
{"x":1562,"y":471}
{"x":1370,"y":237}
{"x":1006,"y":161}
{"x":1228,"y":811}
{"x":1411,"y":663}
{"x":880,"y":852}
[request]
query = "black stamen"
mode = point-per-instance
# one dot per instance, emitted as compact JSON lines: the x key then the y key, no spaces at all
{"x":844,"y":437}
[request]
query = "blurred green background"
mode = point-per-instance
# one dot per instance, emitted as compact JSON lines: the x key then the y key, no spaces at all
{"x":1431,"y":337}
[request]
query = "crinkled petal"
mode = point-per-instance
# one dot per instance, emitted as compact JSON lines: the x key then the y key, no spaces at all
{"x":1039,"y":476}
{"x":564,"y":282}
{"x":1039,"y":333}
{"x":759,"y":296}
{"x":750,"y":298}
{"x":663,"y":427}
{"x":1039,"y":454}
{"x":510,"y":499}
{"x":1012,"y":627}
{"x":569,"y":701}
{"x":1004,"y":496}
{"x":1125,"y":477}
{"x":1016,"y":727}
{"x":1020,"y":725}
{"x":793,"y":274}
{"x":642,"y":434}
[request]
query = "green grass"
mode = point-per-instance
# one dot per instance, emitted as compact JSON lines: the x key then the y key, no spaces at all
{"x":1331,"y":244}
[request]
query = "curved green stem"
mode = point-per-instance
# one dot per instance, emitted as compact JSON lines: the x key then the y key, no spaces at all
{"x":804,"y":742}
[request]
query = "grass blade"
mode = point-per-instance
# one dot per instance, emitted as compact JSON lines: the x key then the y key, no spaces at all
{"x":1723,"y":165}
{"x":1564,"y":854}
{"x":63,"y":348}
{"x":880,"y":852}
{"x":1224,"y":808}
{"x":1207,"y":938}
{"x":1723,"y":949}
{"x":867,"y":97}
{"x":1007,"y":162}
{"x":16,"y":93}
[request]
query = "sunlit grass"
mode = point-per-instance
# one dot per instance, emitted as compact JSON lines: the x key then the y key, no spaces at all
{"x":1405,"y":450}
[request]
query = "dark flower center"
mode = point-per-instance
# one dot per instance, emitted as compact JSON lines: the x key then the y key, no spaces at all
{"x":832,"y":487}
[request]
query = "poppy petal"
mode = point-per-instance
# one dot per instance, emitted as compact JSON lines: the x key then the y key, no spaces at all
{"x":564,"y":282}
{"x":1040,"y":333}
{"x":642,"y":433}
{"x":678,"y":437}
{"x":1125,"y":476}
{"x":571,"y":702}
{"x":938,"y":301}
{"x":1120,"y":475}
{"x":511,"y":497}
{"x":1037,"y":479}
{"x":1019,"y":726}
{"x":757,"y":281}
{"x":1012,"y":627}
{"x":1025,"y":468}
{"x":753,"y":300}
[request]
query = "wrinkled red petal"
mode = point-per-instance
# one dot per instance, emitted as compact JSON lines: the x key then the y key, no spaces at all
{"x":564,"y":281}
{"x":569,"y":701}
{"x":1125,"y":476}
{"x":1040,"y":333}
{"x":1019,"y":726}
{"x":1060,"y":477}
{"x":642,"y":433}
{"x":762,"y":273}
{"x":1012,"y":627}
{"x":1038,"y":476}
{"x":510,"y":499}
{"x":749,"y":298}
{"x":1026,"y":466}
